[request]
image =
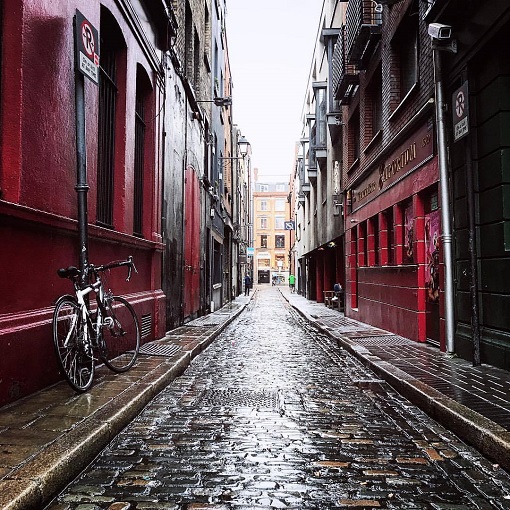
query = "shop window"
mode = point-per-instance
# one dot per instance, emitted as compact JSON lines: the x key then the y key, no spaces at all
{"x":263,"y":241}
{"x":279,"y":241}
{"x":280,"y":261}
{"x":264,"y":263}
{"x":112,"y":46}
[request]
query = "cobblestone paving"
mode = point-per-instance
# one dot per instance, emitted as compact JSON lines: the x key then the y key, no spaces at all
{"x":273,"y":415}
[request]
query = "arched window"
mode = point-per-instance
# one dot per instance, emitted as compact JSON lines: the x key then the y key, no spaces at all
{"x":142,"y":117}
{"x":112,"y":49}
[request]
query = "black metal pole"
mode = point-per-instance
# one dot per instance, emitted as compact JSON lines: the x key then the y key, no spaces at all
{"x":81,"y":187}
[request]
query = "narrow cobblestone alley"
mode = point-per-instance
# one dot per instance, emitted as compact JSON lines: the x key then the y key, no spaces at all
{"x":274,"y":415}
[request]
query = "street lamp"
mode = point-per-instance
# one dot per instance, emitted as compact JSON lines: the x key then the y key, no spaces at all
{"x":218,"y":101}
{"x":244,"y":146}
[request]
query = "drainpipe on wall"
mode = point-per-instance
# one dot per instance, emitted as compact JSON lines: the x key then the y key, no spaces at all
{"x":445,"y":199}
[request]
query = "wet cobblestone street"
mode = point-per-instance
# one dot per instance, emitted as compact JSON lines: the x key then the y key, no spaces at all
{"x":274,"y":415}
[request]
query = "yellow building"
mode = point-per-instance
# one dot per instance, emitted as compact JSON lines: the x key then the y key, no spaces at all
{"x":271,"y":237}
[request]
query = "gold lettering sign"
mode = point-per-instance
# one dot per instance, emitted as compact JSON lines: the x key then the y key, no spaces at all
{"x":401,"y":162}
{"x":409,"y":156}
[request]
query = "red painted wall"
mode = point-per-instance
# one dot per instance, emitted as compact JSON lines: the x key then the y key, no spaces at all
{"x":38,"y":205}
{"x":390,"y":297}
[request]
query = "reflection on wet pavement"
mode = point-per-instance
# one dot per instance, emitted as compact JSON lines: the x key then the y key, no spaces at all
{"x":274,"y":415}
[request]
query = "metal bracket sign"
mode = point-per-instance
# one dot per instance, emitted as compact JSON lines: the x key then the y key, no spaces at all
{"x":289,"y":225}
{"x":460,"y":110}
{"x":86,"y":48}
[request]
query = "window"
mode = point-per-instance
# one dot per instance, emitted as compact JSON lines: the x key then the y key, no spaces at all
{"x":263,"y":187}
{"x":263,"y":222}
{"x":263,"y":205}
{"x":408,"y":233}
{"x":143,"y":89}
{"x":279,"y":241}
{"x":405,"y":51}
{"x":354,"y":138}
{"x":279,"y":222}
{"x":263,"y":241}
{"x":279,"y":204}
{"x":373,"y":113}
{"x":111,"y":46}
{"x":196,"y":63}
{"x":280,"y":261}
{"x":280,"y":187}
{"x":188,"y":42}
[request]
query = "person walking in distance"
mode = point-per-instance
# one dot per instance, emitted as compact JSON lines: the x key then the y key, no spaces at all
{"x":247,"y":285}
{"x":292,"y":283}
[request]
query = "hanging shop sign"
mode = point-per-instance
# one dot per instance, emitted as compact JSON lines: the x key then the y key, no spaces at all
{"x":87,"y":48}
{"x":408,"y":157}
{"x":460,"y":112}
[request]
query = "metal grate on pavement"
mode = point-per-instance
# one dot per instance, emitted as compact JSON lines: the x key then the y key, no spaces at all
{"x":159,"y":349}
{"x":383,"y":340}
{"x":235,"y":397}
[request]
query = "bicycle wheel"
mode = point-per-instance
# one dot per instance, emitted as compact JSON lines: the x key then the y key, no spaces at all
{"x":68,"y":339}
{"x":120,"y":338}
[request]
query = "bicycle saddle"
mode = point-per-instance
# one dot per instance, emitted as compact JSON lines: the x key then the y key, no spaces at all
{"x":70,"y":272}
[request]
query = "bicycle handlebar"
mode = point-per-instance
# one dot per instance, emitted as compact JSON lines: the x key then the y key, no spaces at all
{"x":72,"y":272}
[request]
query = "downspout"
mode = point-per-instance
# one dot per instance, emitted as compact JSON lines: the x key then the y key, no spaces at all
{"x":445,"y":200}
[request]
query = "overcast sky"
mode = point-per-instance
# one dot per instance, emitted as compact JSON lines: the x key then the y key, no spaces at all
{"x":270,"y":44}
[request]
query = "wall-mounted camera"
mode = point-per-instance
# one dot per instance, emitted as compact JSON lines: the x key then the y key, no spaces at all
{"x":440,"y":31}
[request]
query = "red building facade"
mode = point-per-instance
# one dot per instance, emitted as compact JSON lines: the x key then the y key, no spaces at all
{"x":38,"y":203}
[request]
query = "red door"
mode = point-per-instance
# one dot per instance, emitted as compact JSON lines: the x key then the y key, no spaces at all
{"x":191,"y":243}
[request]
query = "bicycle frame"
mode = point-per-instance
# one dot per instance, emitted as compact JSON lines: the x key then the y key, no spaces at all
{"x":96,"y":287}
{"x":114,"y":336}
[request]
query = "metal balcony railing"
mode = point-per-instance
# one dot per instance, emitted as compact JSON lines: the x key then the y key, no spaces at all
{"x":345,"y":76}
{"x":363,"y":29}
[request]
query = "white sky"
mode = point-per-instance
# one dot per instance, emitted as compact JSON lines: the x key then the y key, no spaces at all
{"x":271,"y":44}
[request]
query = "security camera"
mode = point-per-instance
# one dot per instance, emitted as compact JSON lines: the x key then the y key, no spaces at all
{"x":440,"y":31}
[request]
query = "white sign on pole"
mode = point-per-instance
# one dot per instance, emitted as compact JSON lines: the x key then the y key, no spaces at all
{"x":460,"y":110}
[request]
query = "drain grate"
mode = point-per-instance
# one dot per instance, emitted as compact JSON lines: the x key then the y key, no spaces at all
{"x":229,"y":397}
{"x":204,"y":321}
{"x":159,"y":349}
{"x":383,"y":340}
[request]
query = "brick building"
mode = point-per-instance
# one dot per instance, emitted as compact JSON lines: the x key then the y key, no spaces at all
{"x":271,"y":210}
{"x":400,"y":197}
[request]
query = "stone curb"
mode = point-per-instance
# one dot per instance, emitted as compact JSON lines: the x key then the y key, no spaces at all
{"x":488,"y":437}
{"x":37,"y":481}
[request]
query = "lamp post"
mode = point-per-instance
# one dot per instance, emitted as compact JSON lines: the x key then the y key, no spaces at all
{"x":232,"y":214}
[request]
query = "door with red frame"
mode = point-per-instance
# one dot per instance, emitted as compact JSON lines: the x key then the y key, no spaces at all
{"x":191,"y":242}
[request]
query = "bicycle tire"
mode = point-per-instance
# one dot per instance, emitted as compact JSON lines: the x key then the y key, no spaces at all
{"x":75,"y":363}
{"x":120,"y":335}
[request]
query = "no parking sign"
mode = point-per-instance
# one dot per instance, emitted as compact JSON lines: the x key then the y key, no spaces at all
{"x":86,"y":48}
{"x":460,"y":110}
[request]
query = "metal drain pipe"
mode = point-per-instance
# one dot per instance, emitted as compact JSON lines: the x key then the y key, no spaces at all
{"x":445,"y":201}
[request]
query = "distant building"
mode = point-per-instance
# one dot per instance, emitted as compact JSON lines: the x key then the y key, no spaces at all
{"x":271,"y":238}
